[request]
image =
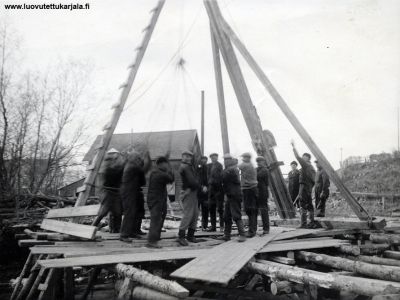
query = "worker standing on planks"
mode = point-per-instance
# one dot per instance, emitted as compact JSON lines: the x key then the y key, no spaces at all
{"x":157,"y":199}
{"x":202,"y":171}
{"x":263,"y":192}
{"x":190,"y":186}
{"x":110,"y":199}
{"x":307,"y":181}
{"x":248,"y":183}
{"x":294,"y":185}
{"x":321,"y":190}
{"x":233,"y":201}
{"x":216,"y":193}
{"x":133,"y":179}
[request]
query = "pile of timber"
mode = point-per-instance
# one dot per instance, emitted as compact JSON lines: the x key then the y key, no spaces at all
{"x":348,"y":256}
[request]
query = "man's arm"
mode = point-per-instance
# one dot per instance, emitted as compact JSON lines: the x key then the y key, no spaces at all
{"x":191,"y":179}
{"x":297,"y":155}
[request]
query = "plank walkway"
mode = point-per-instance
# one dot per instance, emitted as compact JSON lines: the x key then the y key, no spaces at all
{"x":221,"y":263}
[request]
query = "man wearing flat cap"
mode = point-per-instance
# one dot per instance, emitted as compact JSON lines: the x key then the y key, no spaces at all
{"x":216,"y":193}
{"x":248,"y":182}
{"x":157,"y":199}
{"x":189,"y":200}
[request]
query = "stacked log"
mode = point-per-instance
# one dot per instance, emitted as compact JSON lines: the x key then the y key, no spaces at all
{"x":356,"y":285}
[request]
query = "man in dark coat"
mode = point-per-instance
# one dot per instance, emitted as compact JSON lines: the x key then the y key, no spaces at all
{"x":307,"y":181}
{"x":202,"y":193}
{"x":321,"y":190}
{"x":157,"y":199}
{"x":248,"y":181}
{"x":190,"y":206}
{"x":110,"y":199}
{"x":294,"y":185}
{"x":233,"y":202}
{"x":263,"y":192}
{"x":215,"y":193}
{"x":133,"y":179}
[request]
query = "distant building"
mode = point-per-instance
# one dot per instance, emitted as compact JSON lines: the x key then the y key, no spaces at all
{"x":159,"y":143}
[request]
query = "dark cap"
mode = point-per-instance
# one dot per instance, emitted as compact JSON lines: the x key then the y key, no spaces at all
{"x":187,"y":152}
{"x":260,"y":158}
{"x":246,"y":154}
{"x":204,"y":157}
{"x":213,"y":154}
{"x":307,"y":154}
{"x":161,"y":159}
{"x":294,"y":163}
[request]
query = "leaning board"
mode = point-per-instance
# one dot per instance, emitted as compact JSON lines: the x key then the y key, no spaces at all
{"x":83,"y":231}
{"x":221,"y":263}
{"x":80,"y":211}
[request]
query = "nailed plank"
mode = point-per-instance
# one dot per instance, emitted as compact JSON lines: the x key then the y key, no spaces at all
{"x":221,"y":263}
{"x":81,"y":211}
{"x":120,"y":258}
{"x":300,"y":244}
{"x":84,"y":231}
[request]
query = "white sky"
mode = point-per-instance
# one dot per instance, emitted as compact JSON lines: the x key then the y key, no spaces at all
{"x":335,"y":62}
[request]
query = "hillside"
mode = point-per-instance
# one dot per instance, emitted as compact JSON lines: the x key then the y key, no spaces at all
{"x":380,"y":173}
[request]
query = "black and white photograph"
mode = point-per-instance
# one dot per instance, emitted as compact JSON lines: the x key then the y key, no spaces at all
{"x":200,"y":149}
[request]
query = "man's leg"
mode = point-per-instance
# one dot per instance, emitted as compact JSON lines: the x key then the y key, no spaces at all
{"x":127,"y":225}
{"x":139,"y":215}
{"x":155,"y":223}
{"x":236,"y":212}
{"x":186,"y":217}
{"x":321,"y":207}
{"x":227,"y":220}
{"x":204,"y":213}
{"x":249,"y":198}
{"x":105,"y":205}
{"x":220,"y":208}
{"x":262,"y":205}
{"x":212,"y":209}
{"x":194,"y":217}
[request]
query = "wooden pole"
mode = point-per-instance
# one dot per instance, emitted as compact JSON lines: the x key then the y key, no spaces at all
{"x":392,"y":239}
{"x":390,"y":273}
{"x":285,"y":287}
{"x":356,"y":285}
{"x":391,"y":254}
{"x":153,"y":282}
{"x":376,"y":260}
{"x":220,"y":94}
{"x":94,"y":167}
{"x":144,"y":293}
{"x":202,"y":123}
{"x":250,"y":115}
{"x":357,"y":208}
{"x":23,"y":273}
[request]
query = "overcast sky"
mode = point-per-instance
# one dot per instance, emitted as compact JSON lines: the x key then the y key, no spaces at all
{"x":335,"y":62}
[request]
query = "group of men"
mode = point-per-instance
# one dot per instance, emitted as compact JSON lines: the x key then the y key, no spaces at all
{"x":213,"y":188}
{"x":209,"y":187}
{"x":301,"y":184}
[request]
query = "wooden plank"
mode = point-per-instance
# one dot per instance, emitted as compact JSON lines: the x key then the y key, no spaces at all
{"x":120,"y":258}
{"x":300,"y":244}
{"x":30,"y":243}
{"x":221,"y":23}
{"x":221,"y":263}
{"x":295,"y":233}
{"x":84,"y":231}
{"x":87,"y":210}
{"x":351,"y":223}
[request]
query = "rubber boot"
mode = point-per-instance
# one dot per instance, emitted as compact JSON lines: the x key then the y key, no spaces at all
{"x":303,"y":218}
{"x":312,"y":224}
{"x":227,"y":233}
{"x":190,"y":236}
{"x":182,"y":239}
{"x":242,"y":233}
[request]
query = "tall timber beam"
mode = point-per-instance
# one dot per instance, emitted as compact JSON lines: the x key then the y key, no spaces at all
{"x":253,"y":123}
{"x":220,"y":94}
{"x":224,"y":26}
{"x":94,"y":167}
